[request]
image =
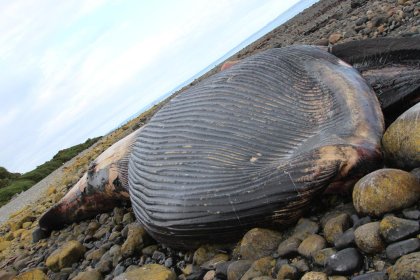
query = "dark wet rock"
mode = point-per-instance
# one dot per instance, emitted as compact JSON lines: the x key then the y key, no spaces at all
{"x":314,"y":276}
{"x":148,"y":272}
{"x":359,"y":222}
{"x":398,"y":249}
{"x":39,"y":234}
{"x":169,"y":262}
{"x":221,"y":269}
{"x":379,"y":275}
{"x":376,"y":193}
{"x":407,"y":267}
{"x":89,"y":275}
{"x":65,"y":256}
{"x":259,"y":242}
{"x":311,"y":244}
{"x":158,"y":256}
{"x":345,"y":240}
{"x":368,"y":239}
{"x":260,"y":267}
{"x":412,"y":214}
{"x":361,"y":21}
{"x":287,"y":271}
{"x":305,"y":227}
{"x":394,"y":229}
{"x":344,"y":262}
{"x":288,"y":246}
{"x":320,"y":257}
{"x":118,"y":270}
{"x":357,"y":3}
{"x":335,"y":227}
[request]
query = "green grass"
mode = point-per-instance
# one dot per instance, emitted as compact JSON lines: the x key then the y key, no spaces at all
{"x":18,"y":186}
{"x":13,"y":183}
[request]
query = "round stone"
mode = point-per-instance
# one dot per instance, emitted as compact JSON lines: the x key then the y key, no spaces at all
{"x":368,"y":238}
{"x":258,"y":243}
{"x":237,"y":269}
{"x":345,"y":240}
{"x":385,"y":190}
{"x":336,"y":226}
{"x":344,"y":262}
{"x":398,"y":249}
{"x":311,"y":244}
{"x":407,"y":267}
{"x":401,"y":141}
{"x":312,"y":275}
{"x":394,"y":229}
{"x":288,"y":246}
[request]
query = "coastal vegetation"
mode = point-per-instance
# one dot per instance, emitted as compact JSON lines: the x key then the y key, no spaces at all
{"x":13,"y":183}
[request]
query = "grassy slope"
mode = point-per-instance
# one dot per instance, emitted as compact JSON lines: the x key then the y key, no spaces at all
{"x":17,"y":184}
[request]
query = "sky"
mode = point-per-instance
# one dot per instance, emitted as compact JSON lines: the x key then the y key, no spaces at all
{"x":73,"y":70}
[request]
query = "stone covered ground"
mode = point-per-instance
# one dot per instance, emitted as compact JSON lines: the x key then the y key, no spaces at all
{"x":370,"y":233}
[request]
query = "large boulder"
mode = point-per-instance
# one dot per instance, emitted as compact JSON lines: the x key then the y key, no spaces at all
{"x":385,"y":190}
{"x":66,"y":255}
{"x":401,"y":141}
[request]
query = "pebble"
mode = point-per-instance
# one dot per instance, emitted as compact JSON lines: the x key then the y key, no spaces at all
{"x":379,"y":275}
{"x":36,"y":274}
{"x":368,"y":239}
{"x":398,"y":249}
{"x":65,"y":256}
{"x":135,"y":241}
{"x":88,"y":275}
{"x":334,"y":38}
{"x":260,"y":267}
{"x":148,"y":272}
{"x":412,"y":214}
{"x":335,"y":227}
{"x":258,"y":243}
{"x":288,"y":246}
{"x":311,"y":244}
{"x":203,"y":254}
{"x":344,"y":262}
{"x":287,"y":271}
{"x":314,"y":276}
{"x":320,"y":257}
{"x":345,"y":240}
{"x":305,"y":227}
{"x":394,"y":229}
{"x":214,"y":261}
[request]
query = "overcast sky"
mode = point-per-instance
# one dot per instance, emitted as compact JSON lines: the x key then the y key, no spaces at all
{"x":70,"y":70}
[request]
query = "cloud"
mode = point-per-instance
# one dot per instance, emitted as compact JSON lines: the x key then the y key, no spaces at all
{"x":76,"y":69}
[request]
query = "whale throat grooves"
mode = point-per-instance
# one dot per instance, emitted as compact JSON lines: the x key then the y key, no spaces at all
{"x":251,"y":146}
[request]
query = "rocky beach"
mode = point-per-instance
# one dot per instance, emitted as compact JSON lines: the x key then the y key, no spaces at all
{"x":370,"y":232}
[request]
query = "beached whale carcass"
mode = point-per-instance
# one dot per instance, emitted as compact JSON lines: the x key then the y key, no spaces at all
{"x":249,"y":146}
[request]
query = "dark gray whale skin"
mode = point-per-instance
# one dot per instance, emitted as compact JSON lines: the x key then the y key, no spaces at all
{"x":252,"y":146}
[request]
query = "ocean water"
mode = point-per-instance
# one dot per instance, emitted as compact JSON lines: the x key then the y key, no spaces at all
{"x":288,"y":14}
